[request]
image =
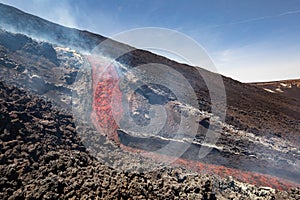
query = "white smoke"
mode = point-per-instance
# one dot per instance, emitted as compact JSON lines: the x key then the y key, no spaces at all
{"x":60,"y":12}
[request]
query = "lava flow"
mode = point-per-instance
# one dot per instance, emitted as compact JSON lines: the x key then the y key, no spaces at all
{"x":105,"y":81}
{"x":106,"y":84}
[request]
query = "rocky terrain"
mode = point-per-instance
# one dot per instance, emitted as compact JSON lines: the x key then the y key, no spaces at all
{"x":290,"y":88}
{"x":48,"y":153}
{"x":46,"y":160}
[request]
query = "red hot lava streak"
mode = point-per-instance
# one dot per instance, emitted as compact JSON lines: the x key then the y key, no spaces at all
{"x":105,"y":85}
{"x":105,"y":81}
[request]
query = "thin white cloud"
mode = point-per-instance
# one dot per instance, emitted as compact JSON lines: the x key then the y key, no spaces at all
{"x":59,"y":11}
{"x":293,"y":12}
{"x":289,"y":13}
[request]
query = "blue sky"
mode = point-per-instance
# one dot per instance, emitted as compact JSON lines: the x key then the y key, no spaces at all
{"x":257,"y":40}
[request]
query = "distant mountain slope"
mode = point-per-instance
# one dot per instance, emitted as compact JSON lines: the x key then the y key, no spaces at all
{"x":289,"y":88}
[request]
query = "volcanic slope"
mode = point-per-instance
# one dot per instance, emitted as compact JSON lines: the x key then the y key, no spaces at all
{"x":264,"y":123}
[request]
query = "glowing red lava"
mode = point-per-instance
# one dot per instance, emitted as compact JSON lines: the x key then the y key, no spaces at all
{"x":105,"y":80}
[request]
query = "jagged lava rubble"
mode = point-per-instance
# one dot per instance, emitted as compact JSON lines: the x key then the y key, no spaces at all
{"x":46,"y":160}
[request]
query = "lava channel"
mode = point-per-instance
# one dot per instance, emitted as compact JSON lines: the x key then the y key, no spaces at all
{"x":105,"y":85}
